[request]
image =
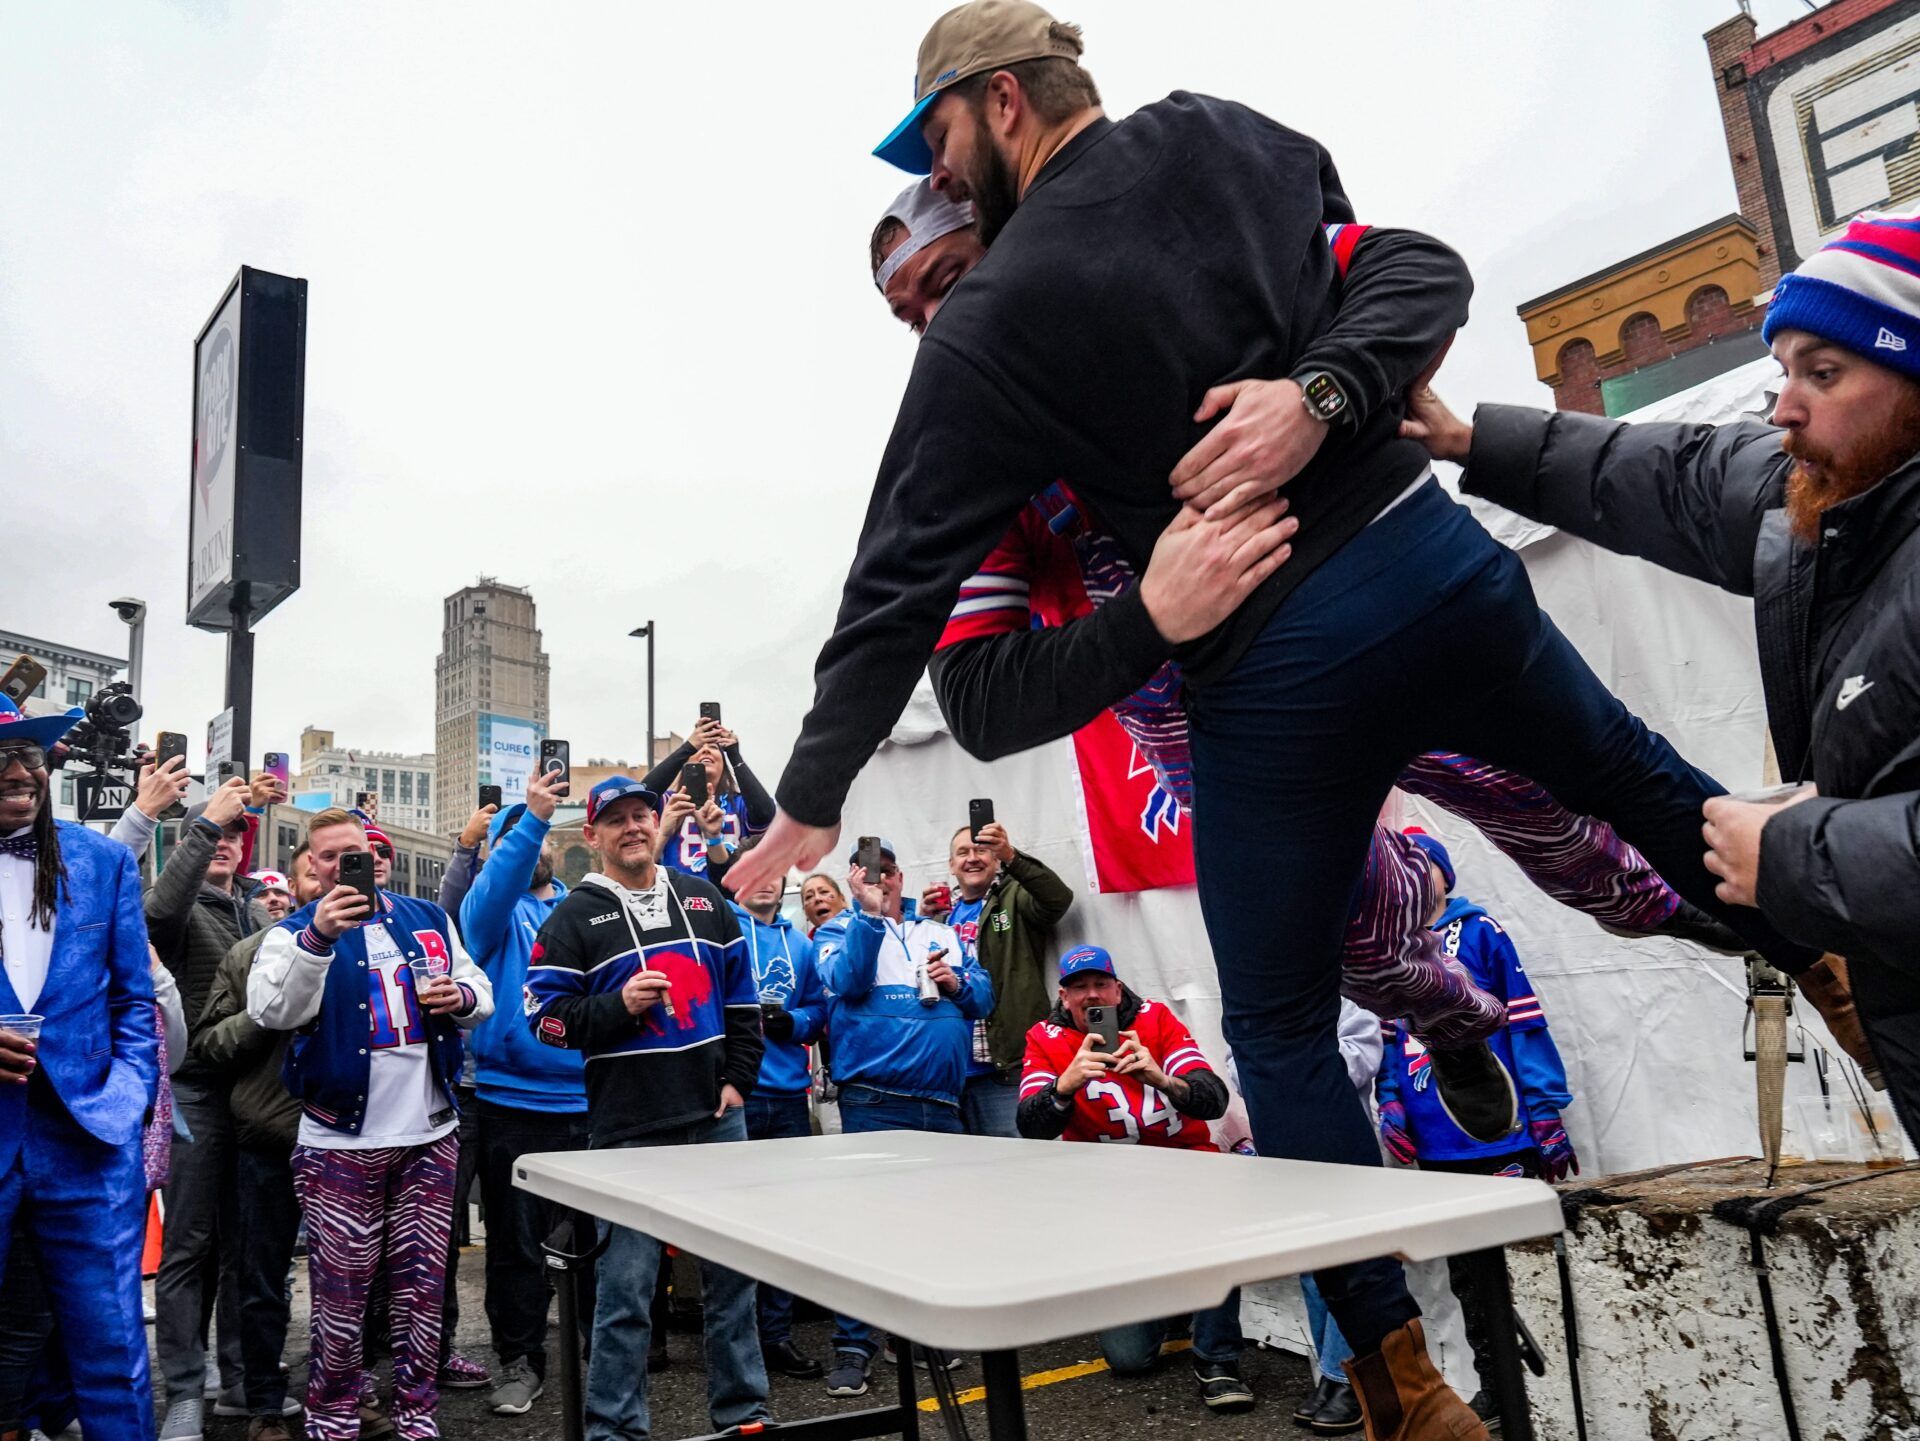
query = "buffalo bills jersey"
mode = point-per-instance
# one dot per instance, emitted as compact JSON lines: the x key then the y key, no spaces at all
{"x":1123,"y":1108}
{"x":1523,"y":1046}
{"x":687,"y":851}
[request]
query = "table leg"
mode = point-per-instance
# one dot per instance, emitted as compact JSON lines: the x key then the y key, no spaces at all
{"x":1508,"y":1385}
{"x":1006,"y":1401}
{"x":909,"y":1400}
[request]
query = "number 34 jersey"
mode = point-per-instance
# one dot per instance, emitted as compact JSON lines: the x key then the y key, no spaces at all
{"x":1123,"y":1108}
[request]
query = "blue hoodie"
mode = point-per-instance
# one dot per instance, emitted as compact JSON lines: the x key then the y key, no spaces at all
{"x":1523,"y":1045}
{"x":882,"y":1036}
{"x":784,"y":970}
{"x":498,"y":921}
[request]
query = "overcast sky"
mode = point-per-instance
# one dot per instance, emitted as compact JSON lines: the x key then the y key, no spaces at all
{"x":588,"y":305}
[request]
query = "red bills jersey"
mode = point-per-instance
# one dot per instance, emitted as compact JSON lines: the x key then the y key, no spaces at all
{"x":1123,"y":1108}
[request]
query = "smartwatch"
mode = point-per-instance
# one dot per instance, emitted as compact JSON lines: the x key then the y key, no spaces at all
{"x":1322,"y":395}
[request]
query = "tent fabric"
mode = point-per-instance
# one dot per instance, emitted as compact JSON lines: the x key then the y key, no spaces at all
{"x":1650,"y":1030}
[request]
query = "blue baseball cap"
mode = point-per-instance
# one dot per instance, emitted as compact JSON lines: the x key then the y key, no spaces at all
{"x":984,"y":35}
{"x":613,"y":788}
{"x":1436,"y":852}
{"x":1082,"y":959}
{"x":502,"y":820}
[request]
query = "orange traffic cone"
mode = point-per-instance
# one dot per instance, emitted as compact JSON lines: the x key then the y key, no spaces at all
{"x":150,"y":1253}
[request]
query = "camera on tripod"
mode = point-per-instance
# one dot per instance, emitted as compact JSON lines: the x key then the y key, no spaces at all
{"x":104,"y":738}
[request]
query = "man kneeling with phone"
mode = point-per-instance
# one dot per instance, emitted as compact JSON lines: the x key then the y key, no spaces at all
{"x":1109,"y":1066}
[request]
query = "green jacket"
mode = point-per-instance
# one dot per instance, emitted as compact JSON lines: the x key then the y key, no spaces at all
{"x":231,"y":1045}
{"x":1026,"y":901}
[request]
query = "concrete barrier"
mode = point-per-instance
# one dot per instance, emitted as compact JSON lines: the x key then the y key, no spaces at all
{"x":1707,"y":1305}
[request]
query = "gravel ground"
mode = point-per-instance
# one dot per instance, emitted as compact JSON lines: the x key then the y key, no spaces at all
{"x":1099,"y":1405}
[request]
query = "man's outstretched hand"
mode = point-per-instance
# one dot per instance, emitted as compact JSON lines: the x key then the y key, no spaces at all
{"x":1445,"y":435}
{"x":784,"y":845}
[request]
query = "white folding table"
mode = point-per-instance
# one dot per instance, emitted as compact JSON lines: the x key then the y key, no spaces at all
{"x":960,"y":1242}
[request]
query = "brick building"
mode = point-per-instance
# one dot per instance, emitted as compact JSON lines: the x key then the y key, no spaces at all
{"x":1822,"y":121}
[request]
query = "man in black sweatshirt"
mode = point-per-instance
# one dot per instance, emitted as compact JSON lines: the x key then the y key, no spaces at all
{"x":1136,"y":268}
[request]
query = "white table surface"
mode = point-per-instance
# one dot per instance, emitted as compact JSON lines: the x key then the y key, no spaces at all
{"x":973,"y":1242}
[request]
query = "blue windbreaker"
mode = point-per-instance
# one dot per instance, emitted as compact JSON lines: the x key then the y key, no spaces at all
{"x":784,"y":970}
{"x":882,"y":1036}
{"x":498,"y":921}
{"x":1523,"y":1045}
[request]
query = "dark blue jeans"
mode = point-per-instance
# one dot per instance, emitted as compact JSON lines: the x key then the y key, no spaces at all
{"x":1420,"y":634}
{"x":864,"y":1109}
{"x":776,"y":1118}
{"x":616,"y":1401}
{"x":1132,"y":1350}
{"x":990,"y":1102}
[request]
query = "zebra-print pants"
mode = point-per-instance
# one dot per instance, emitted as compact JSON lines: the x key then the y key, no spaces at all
{"x":390,"y":1208}
{"x":1393,"y":965}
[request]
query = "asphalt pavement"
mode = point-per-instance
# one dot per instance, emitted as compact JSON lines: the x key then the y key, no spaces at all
{"x":1070,"y":1394}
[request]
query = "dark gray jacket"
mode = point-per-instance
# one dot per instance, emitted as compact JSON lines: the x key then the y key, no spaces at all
{"x":193,"y":926}
{"x":1838,"y":624}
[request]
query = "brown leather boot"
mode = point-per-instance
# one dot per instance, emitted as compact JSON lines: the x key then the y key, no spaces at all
{"x":1825,"y":983}
{"x":1403,"y":1397}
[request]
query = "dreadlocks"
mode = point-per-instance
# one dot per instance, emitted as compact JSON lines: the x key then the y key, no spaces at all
{"x":49,"y":869}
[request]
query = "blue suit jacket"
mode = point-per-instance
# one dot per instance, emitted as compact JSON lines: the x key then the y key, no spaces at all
{"x":100,"y":1046}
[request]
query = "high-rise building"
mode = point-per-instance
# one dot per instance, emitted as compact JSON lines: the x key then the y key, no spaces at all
{"x":490,"y":697}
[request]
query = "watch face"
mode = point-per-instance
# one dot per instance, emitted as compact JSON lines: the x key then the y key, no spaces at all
{"x":1324,"y":394}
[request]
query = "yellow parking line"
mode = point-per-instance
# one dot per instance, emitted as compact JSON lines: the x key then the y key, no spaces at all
{"x":1046,"y":1378}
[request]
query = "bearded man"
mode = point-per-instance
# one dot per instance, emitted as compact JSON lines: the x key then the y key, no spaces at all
{"x":1817,"y":517}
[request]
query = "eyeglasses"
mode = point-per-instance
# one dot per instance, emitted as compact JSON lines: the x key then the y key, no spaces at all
{"x":384,"y":852}
{"x":33,"y":757}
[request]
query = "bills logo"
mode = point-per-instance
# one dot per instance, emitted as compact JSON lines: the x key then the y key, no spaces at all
{"x":435,"y":946}
{"x":528,"y":1001}
{"x":553,"y":1029}
{"x":1419,"y":1064}
{"x":699,"y":903}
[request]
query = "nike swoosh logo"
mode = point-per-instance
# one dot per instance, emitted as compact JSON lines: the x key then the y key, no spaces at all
{"x":1851,"y":691}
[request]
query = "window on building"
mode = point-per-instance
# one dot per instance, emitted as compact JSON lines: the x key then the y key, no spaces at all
{"x":386,"y":787}
{"x":40,"y":691}
{"x":66,"y":789}
{"x":423,"y":789}
{"x":78,"y":690}
{"x":406,"y":788}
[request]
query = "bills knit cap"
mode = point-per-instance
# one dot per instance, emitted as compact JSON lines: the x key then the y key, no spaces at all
{"x":1861,"y":292}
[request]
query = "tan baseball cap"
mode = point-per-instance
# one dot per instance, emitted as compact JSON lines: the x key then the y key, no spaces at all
{"x":983,"y":35}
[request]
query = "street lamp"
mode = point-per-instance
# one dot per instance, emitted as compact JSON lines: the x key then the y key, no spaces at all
{"x":647,"y":630}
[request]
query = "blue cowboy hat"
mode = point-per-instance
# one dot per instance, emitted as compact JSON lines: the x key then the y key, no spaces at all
{"x":42,"y":731}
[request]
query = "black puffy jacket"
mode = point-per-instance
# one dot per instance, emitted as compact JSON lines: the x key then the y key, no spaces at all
{"x":1838,"y":624}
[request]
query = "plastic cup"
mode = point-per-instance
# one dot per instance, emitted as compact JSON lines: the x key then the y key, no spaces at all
{"x":25,"y":1025}
{"x":422,"y":968}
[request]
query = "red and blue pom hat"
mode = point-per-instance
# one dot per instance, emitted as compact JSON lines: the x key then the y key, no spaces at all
{"x":43,"y":731}
{"x":1861,"y":292}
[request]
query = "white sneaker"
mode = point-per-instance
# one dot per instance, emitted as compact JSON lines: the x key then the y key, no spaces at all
{"x":184,"y":1420}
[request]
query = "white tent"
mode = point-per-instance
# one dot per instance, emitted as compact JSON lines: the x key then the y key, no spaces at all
{"x":1650,"y":1030}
